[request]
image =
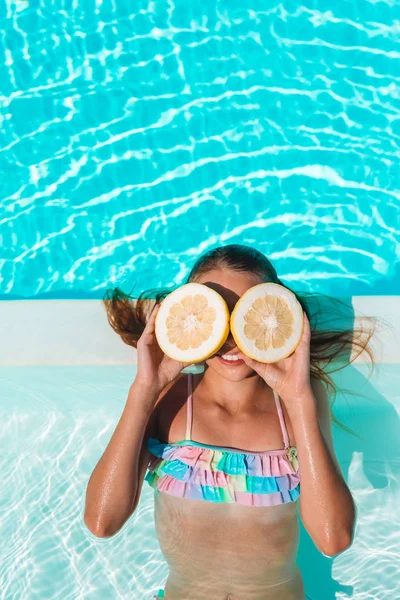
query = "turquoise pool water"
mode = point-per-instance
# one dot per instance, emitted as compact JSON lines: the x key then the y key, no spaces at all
{"x":56,"y":423}
{"x":135,"y":137}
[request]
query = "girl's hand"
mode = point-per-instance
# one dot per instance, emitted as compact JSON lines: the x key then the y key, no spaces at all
{"x":155,"y":369}
{"x":289,"y":377}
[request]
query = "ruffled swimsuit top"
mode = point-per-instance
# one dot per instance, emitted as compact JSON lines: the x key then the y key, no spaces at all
{"x":189,"y":469}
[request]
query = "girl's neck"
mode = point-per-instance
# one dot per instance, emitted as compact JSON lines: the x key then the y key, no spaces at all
{"x":234,"y":396}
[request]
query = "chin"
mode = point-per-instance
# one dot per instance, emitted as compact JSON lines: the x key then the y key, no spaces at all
{"x":231,"y":373}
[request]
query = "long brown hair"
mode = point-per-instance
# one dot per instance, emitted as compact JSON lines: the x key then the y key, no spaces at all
{"x":335,"y":342}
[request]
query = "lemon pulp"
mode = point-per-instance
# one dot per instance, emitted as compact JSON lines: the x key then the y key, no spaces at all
{"x":267,"y":322}
{"x":192,"y":323}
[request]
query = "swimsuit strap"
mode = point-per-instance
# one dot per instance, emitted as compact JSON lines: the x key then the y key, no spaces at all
{"x":189,"y":409}
{"x":282,"y":421}
{"x":189,"y":413}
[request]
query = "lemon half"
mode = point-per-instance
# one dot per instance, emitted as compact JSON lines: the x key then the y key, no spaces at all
{"x":192,"y":323}
{"x":267,"y":322}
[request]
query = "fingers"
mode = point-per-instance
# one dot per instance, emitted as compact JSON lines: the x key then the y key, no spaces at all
{"x":186,"y":364}
{"x":306,"y":329}
{"x":151,"y":323}
{"x":257,"y":366}
{"x":148,"y":332}
{"x":250,"y":362}
{"x":180,"y":364}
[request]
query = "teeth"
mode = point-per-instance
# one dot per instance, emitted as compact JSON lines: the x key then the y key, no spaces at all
{"x":230,"y":356}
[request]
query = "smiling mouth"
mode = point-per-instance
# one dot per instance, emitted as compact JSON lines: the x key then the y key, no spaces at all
{"x":232,"y":359}
{"x":229,"y":357}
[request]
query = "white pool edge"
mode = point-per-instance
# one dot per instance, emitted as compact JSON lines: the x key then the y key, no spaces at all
{"x":76,"y":332}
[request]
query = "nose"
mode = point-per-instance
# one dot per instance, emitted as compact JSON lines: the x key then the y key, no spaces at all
{"x":229,"y":343}
{"x":229,"y":340}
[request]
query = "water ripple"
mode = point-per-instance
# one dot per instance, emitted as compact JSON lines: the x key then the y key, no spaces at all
{"x":122,"y":129}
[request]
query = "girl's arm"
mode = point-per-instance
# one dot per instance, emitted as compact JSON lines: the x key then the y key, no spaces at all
{"x":114,"y":487}
{"x":327,"y":508}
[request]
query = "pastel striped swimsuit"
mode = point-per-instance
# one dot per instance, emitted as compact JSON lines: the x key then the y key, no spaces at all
{"x":189,"y":469}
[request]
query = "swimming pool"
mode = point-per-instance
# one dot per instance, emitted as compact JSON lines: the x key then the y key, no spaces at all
{"x":131,"y":143}
{"x":56,"y":422}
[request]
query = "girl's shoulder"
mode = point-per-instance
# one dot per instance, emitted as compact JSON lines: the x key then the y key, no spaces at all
{"x":171,"y":402}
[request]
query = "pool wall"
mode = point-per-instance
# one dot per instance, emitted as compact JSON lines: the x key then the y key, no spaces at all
{"x":76,"y":332}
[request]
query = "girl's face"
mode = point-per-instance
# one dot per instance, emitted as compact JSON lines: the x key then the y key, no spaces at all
{"x":231,"y":285}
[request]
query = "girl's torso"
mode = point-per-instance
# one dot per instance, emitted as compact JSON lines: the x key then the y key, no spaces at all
{"x":226,"y":550}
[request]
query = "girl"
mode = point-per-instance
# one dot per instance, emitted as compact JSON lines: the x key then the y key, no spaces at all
{"x":266,"y":427}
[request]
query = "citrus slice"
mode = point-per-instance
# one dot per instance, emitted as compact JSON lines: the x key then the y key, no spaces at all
{"x":267,"y":322}
{"x":192,"y":323}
